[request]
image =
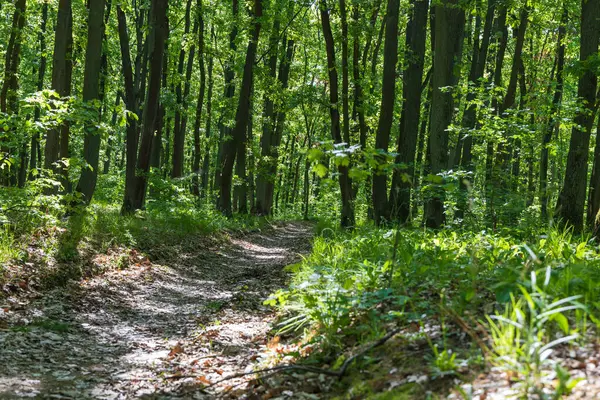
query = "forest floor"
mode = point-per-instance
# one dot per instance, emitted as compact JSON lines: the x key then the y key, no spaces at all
{"x":167,"y":328}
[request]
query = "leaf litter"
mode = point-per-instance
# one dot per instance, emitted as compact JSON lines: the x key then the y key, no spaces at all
{"x":166,"y":328}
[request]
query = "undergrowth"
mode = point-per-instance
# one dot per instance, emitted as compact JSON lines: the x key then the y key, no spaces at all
{"x":40,"y":235}
{"x":511,"y":298}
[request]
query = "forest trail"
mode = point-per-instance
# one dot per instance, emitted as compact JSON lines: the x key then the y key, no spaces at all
{"x":153,"y":330}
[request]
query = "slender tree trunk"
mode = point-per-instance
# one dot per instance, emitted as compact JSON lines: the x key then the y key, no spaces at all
{"x":35,"y":139}
{"x":347,"y":217}
{"x":570,"y":205}
{"x":111,"y":138}
{"x":206,"y":161}
{"x":449,"y":26}
{"x":158,"y":33}
{"x":131,"y":104}
{"x":554,"y":111}
{"x":265,"y":179}
{"x":502,"y":152}
{"x":251,"y":158}
{"x":403,"y":179}
{"x":464,"y":147}
{"x":231,"y":147}
{"x":386,"y":116}
{"x":345,"y":73}
{"x":229,"y":72}
{"x":271,"y":139}
{"x":197,"y":123}
{"x":158,"y":151}
{"x":502,"y":41}
{"x":8,"y":94}
{"x":91,"y":94}
{"x":178,"y":132}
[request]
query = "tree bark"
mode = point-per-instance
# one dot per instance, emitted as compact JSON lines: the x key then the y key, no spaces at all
{"x":381,"y":207}
{"x":231,"y":147}
{"x":9,"y":103}
{"x":554,"y":110}
{"x":131,"y":104}
{"x":35,"y":138}
{"x":61,"y":57}
{"x":199,"y":103}
{"x":178,"y":132}
{"x":347,"y":217}
{"x":265,"y":180}
{"x":403,"y":179}
{"x":570,"y":205}
{"x":91,"y":95}
{"x":449,"y":26}
{"x":206,"y":161}
{"x":156,"y":40}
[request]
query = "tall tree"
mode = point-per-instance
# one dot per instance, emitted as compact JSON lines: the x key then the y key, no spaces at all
{"x":449,"y":27}
{"x":9,"y":102}
{"x":231,"y":147}
{"x":386,"y":114}
{"x":91,"y":95}
{"x":571,"y":200}
{"x":61,"y":76}
{"x":179,"y":128}
{"x":156,"y":47}
{"x":347,"y":217}
{"x":265,"y":180}
{"x":199,"y":103}
{"x":553,"y":119}
{"x":403,"y":179}
{"x":35,"y":138}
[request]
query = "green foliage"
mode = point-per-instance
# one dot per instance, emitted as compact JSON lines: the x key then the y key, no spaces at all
{"x":545,"y":283}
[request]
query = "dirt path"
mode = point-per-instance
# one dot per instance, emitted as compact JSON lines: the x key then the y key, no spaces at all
{"x":153,"y":330}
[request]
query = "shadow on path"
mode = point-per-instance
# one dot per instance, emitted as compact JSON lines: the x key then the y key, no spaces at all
{"x":153,"y":330}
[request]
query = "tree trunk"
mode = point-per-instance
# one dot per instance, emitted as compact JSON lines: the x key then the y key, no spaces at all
{"x":403,"y":179}
{"x":91,"y":93}
{"x":59,"y":73}
{"x":464,"y":146}
{"x":158,"y":154}
{"x":131,"y":103}
{"x":156,"y":49}
{"x":9,"y":103}
{"x":265,"y":180}
{"x":178,"y":132}
{"x":554,"y":110}
{"x":345,"y":73}
{"x":449,"y":26}
{"x":232,"y":146}
{"x":35,"y":139}
{"x":206,"y":161}
{"x":111,"y":138}
{"x":347,"y":217}
{"x":570,"y":205}
{"x":197,"y":149}
{"x":502,"y":153}
{"x":229,"y":72}
{"x":386,"y":116}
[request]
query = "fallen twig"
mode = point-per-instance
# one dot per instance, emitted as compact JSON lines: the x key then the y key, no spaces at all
{"x":340,"y":373}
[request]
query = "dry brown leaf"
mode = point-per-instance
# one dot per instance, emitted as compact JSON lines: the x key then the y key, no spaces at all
{"x":177,"y":349}
{"x":273,"y":343}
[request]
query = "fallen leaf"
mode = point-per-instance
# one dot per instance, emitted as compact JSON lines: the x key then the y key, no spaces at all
{"x":204,"y":380}
{"x":177,"y":349}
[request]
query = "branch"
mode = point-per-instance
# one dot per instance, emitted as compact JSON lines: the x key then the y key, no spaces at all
{"x":340,"y":373}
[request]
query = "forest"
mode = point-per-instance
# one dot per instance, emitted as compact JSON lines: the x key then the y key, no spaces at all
{"x":299,"y":199}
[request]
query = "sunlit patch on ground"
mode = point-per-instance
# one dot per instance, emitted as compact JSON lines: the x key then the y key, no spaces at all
{"x":167,"y":328}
